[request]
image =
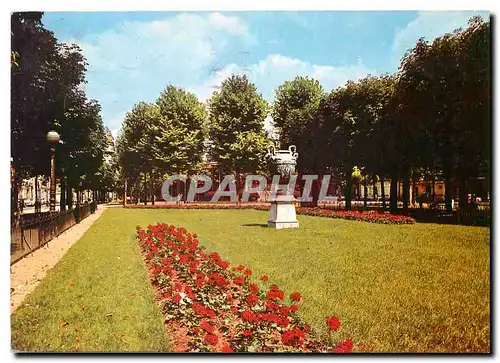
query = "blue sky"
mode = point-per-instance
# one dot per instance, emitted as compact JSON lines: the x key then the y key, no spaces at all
{"x":133,"y":56}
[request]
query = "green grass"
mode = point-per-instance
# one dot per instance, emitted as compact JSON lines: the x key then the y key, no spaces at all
{"x":111,"y":307}
{"x":422,"y":287}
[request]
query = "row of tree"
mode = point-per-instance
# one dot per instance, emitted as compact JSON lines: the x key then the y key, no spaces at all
{"x":178,"y":134}
{"x":431,"y":118}
{"x":47,"y":79}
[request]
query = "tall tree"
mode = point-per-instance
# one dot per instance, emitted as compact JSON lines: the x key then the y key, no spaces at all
{"x":451,"y":76}
{"x":236,"y":124}
{"x":295,"y":115}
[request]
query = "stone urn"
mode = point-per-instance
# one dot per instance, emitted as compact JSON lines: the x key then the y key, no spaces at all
{"x":282,"y":213}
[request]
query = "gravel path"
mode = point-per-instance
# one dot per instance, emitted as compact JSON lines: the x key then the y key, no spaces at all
{"x":27,"y":273}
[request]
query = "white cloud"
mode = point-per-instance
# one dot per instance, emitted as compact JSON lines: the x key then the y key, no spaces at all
{"x":430,"y":25}
{"x":229,"y":23}
{"x":136,"y":60}
{"x":269,"y":73}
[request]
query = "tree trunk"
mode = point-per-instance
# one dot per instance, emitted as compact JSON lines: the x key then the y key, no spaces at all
{"x":348,"y":190}
{"x":433,"y":188}
{"x":394,"y":195}
{"x":151,"y":189}
{"x":365,"y":190}
{"x":406,"y":194}
{"x":37,"y":208}
{"x":186,"y":189}
{"x":447,"y":194}
{"x":462,"y":190}
{"x":62,"y":199}
{"x":14,"y":207}
{"x":125,"y":193}
{"x":382,"y":192}
{"x":69,"y":196}
{"x":413,"y":192}
{"x":315,"y":189}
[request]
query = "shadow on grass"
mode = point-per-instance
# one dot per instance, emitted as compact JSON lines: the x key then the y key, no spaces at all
{"x":263,"y":225}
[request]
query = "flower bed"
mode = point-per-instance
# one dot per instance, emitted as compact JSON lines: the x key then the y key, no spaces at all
{"x":201,"y":206}
{"x":209,"y":307}
{"x":365,"y":216}
{"x":372,"y":216}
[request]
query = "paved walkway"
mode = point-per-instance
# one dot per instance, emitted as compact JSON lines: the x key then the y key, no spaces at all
{"x":27,"y":273}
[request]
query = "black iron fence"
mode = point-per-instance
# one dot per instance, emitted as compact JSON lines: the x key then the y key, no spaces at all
{"x":35,"y":231}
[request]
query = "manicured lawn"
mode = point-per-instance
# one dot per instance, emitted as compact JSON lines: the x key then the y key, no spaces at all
{"x":422,"y":287}
{"x":109,"y":308}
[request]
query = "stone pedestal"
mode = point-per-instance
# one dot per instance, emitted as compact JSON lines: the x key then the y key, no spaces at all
{"x":282,"y":213}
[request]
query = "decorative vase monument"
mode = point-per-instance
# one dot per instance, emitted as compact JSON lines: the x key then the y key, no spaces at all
{"x":282,"y":213}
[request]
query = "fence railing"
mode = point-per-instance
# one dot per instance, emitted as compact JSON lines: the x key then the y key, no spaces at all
{"x":35,"y":232}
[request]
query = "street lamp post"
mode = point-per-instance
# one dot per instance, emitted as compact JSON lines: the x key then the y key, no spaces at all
{"x":52,"y":139}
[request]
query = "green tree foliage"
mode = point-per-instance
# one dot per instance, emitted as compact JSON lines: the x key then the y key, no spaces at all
{"x":161,"y":139}
{"x":451,"y":77}
{"x":181,"y":133}
{"x":236,"y":118}
{"x":295,"y":115}
{"x":46,"y":79}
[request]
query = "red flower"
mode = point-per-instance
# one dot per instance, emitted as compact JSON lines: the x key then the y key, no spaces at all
{"x":264,"y":278}
{"x":214,"y":255}
{"x":247,"y":333}
{"x":294,"y":308}
{"x":295,"y":296}
{"x":288,"y":338}
{"x":298,"y":333}
{"x":177,"y":298}
{"x":333,"y":323}
{"x":276,"y":294}
{"x":253,"y":288}
{"x":307,"y":328}
{"x":239,"y":280}
{"x":223,"y":264}
{"x":178,"y":286}
{"x":283,"y":322}
{"x":166,"y":295}
{"x":227,"y":348}
{"x":271,"y":318}
{"x":193,"y":266}
{"x":210,"y":313}
{"x":211,"y":339}
{"x":272,"y":306}
{"x":195,"y":235}
{"x":344,"y":347}
{"x":240,"y":268}
{"x":252,"y":300}
{"x":248,"y":272}
{"x":205,"y":325}
{"x":284,"y":310}
{"x":248,"y":316}
{"x":234,"y":310}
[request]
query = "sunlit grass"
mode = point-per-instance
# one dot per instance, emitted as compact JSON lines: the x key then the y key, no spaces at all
{"x":97,"y":298}
{"x":419,"y":288}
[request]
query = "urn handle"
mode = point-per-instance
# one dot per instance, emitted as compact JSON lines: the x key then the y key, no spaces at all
{"x":271,"y":151}
{"x":293,"y":151}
